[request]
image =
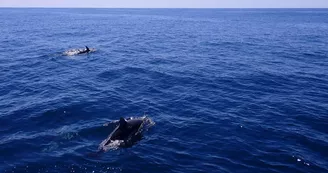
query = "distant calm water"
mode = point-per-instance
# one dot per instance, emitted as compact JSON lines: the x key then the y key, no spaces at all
{"x":229,"y":90}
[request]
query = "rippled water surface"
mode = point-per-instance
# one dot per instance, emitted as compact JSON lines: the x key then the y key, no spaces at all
{"x":228,"y":90}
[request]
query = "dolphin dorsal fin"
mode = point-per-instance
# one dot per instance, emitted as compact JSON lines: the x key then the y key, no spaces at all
{"x":122,"y":122}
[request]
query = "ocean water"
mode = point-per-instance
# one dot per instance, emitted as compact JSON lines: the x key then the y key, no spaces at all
{"x":229,"y":90}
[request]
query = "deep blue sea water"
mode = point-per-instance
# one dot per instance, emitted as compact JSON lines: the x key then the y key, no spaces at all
{"x":229,"y":90}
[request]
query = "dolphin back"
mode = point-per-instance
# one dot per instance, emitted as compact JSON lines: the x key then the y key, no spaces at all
{"x":127,"y":133}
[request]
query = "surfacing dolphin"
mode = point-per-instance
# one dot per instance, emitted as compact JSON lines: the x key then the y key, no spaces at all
{"x":86,"y":50}
{"x":73,"y":52}
{"x":127,"y":133}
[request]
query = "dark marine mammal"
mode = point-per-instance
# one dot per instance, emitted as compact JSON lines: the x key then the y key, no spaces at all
{"x":127,"y":133}
{"x":125,"y":129}
{"x":86,"y":50}
{"x":73,"y":52}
